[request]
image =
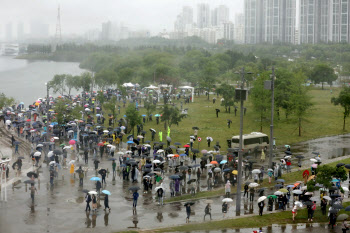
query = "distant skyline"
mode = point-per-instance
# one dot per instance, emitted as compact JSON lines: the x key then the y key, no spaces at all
{"x":80,"y":16}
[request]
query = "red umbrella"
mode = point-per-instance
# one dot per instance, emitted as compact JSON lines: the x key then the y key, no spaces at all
{"x":186,"y":145}
{"x":28,"y":120}
{"x":214,"y":162}
{"x":100,"y":144}
{"x":306,"y":173}
{"x":71,"y":142}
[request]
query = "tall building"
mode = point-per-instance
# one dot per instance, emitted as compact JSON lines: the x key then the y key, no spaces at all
{"x":228,"y":31}
{"x":314,"y":21}
{"x":253,"y":21}
{"x":20,"y":31}
{"x":8,"y":32}
{"x":239,"y":29}
{"x":203,"y":15}
{"x":106,"y":33}
{"x":184,"y":20}
{"x":220,"y":15}
{"x":280,"y":21}
{"x":339,"y":21}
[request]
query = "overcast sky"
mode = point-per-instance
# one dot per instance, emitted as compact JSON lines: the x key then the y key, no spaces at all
{"x":78,"y":16}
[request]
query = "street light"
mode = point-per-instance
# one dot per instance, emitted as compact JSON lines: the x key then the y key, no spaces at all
{"x":240,"y":94}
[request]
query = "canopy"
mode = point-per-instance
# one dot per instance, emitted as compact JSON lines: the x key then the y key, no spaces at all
{"x":188,"y":87}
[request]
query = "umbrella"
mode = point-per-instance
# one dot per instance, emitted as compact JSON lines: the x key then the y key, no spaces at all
{"x":50,"y":154}
{"x":71,"y":142}
{"x":309,"y":193}
{"x":261,"y":199}
{"x":256,"y":171}
{"x":278,"y":193}
{"x":333,"y":211}
{"x":235,"y":172}
{"x":215,"y":162}
{"x":174,"y":177}
{"x":57,"y":152}
{"x":101,"y":144}
{"x":247,"y":183}
{"x":189,"y":203}
{"x":191,"y":181}
{"x":177,"y":143}
{"x":92,"y":192}
{"x":30,"y":174}
{"x":29,"y":182}
{"x":337,"y":206}
{"x":253,"y":185}
{"x":340,"y":164}
{"x":278,"y":186}
{"x":156,"y":161}
{"x":101,"y":171}
{"x":217,"y":169}
{"x":311,"y":177}
{"x":106,"y":192}
{"x":273,"y":196}
{"x":159,"y":187}
{"x":95,"y":178}
{"x":288,"y":152}
{"x":209,"y":165}
{"x":227,"y":169}
{"x":227,"y":200}
{"x":290,"y":186}
{"x":346,"y":209}
{"x":280,"y":181}
{"x":298,"y":203}
{"x":186,"y":145}
{"x":204,"y":151}
{"x":183,"y":168}
{"x":208,"y":201}
{"x":347,"y":166}
{"x":52,"y":163}
{"x":342,"y":217}
{"x":328,"y":198}
{"x":308,"y":203}
{"x":72,"y":161}
{"x":195,"y":151}
{"x":134,"y":188}
{"x":314,"y":165}
{"x":299,"y":157}
{"x":170,"y":155}
{"x":345,"y":189}
{"x":313,"y":160}
{"x":283,"y":190}
{"x":223,"y":162}
{"x":37,"y":154}
{"x":195,"y":128}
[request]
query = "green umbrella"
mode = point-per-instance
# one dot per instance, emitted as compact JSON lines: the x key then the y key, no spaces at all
{"x":273,"y":196}
{"x":63,"y":144}
{"x":283,"y":190}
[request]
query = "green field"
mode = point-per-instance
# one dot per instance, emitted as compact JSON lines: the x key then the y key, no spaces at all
{"x":324,"y":120}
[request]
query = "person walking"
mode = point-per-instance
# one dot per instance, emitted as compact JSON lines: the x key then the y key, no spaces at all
{"x":135,"y":196}
{"x":114,"y":165}
{"x":261,"y":207}
{"x":262,"y":159}
{"x":228,"y":188}
{"x":251,"y":191}
{"x":98,"y":187}
{"x":160,"y":193}
{"x":294,"y":212}
{"x":94,"y":202}
{"x":246,"y":187}
{"x":188,"y":212}
{"x":86,"y":156}
{"x":224,"y":208}
{"x":324,"y":206}
{"x":52,"y":174}
{"x":103,"y":175}
{"x":81,"y":177}
{"x":88,"y":200}
{"x":106,"y":203}
{"x":345,"y":226}
{"x":33,"y":190}
{"x":207,"y":211}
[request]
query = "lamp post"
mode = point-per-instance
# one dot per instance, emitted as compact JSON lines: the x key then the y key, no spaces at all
{"x":3,"y":165}
{"x":47,"y":106}
{"x":241,"y":95}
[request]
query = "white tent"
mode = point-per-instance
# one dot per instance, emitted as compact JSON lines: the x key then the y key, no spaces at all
{"x":128,"y":85}
{"x":151,"y":87}
{"x":188,"y":87}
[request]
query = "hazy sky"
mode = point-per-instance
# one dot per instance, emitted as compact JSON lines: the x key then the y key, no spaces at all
{"x":78,"y":16}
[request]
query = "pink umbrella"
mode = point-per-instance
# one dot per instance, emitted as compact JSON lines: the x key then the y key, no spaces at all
{"x":71,"y":142}
{"x":204,"y":151}
{"x":314,"y":165}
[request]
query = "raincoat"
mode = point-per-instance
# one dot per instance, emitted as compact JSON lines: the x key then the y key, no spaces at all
{"x":71,"y":171}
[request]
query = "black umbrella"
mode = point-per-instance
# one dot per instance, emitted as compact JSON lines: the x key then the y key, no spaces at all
{"x":347,"y":208}
{"x":333,"y":188}
{"x":189,"y":203}
{"x":172,"y":147}
{"x":335,"y":195}
{"x":30,"y":174}
{"x":168,"y":139}
{"x":29,"y":182}
{"x":247,"y":183}
{"x":20,"y":157}
{"x":174,"y":177}
{"x":249,"y":157}
{"x":195,"y":128}
{"x":315,"y":153}
{"x":148,"y":141}
{"x":112,"y":159}
{"x":333,"y":211}
{"x":155,"y":142}
{"x":177,"y":143}
{"x":183,"y":168}
{"x":340,"y":164}
{"x":288,"y":152}
{"x":278,"y":186}
{"x":143,"y":132}
{"x":134,"y":188}
{"x":147,"y":170}
{"x":308,"y":203}
{"x":191,"y":181}
{"x":347,"y":166}
{"x":195,"y":150}
{"x":299,"y":157}
{"x":161,"y":143}
{"x":101,"y":171}
{"x":158,"y":169}
{"x":136,"y":141}
{"x":337,"y":206}
{"x":57,"y":152}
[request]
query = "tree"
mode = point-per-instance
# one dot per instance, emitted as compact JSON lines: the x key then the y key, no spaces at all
{"x":323,"y":73}
{"x":72,"y":82}
{"x":110,"y":106}
{"x":343,"y":100}
{"x":133,"y":117}
{"x":6,"y":101}
{"x":325,"y":174}
{"x":105,"y":78}
{"x":261,"y":98}
{"x":209,"y":76}
{"x":85,"y":81}
{"x":300,"y":100}
{"x":228,"y":93}
{"x":58,"y":83}
{"x":283,"y":91}
{"x":171,"y":115}
{"x":150,"y":107}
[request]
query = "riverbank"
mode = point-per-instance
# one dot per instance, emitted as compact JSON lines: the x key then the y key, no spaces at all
{"x":55,"y":56}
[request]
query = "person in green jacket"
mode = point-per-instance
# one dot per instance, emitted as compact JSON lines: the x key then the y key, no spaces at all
{"x":114,"y":165}
{"x":160,"y":134}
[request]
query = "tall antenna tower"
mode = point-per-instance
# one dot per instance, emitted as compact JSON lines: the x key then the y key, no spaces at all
{"x":58,"y":27}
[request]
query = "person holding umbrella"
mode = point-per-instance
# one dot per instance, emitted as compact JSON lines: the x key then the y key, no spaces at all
{"x":261,"y":205}
{"x":106,"y":202}
{"x":345,"y":226}
{"x":135,"y":196}
{"x":87,"y":200}
{"x":224,"y":208}
{"x":323,"y":206}
{"x":188,"y":212}
{"x":207,"y":211}
{"x":294,"y":212}
{"x":228,"y":188}
{"x":94,"y":202}
{"x":103,"y":175}
{"x":160,"y":193}
{"x":32,"y":191}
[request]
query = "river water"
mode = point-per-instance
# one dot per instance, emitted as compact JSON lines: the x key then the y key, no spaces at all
{"x":25,"y":80}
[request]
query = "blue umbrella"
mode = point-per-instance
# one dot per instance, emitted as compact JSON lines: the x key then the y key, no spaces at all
{"x":335,"y":180}
{"x":183,"y":155}
{"x":123,"y":165}
{"x":130,"y":142}
{"x":157,"y":115}
{"x":98,"y":115}
{"x":227,"y":170}
{"x":290,"y":186}
{"x":95,"y":178}
{"x":106,"y":192}
{"x":148,"y":165}
{"x":124,"y":115}
{"x":223,"y":161}
{"x":54,"y":123}
{"x":143,"y":115}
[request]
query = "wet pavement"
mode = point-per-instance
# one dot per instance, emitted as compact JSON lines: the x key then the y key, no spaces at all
{"x":61,"y":208}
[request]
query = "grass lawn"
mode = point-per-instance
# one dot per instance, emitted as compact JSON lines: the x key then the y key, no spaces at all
{"x":324,"y":120}
{"x":289,"y":178}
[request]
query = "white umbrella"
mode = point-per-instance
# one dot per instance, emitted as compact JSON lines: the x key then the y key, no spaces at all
{"x":87,"y":109}
{"x":327,"y":198}
{"x":39,"y":145}
{"x":139,"y":136}
{"x":147,"y":145}
{"x":8,"y":122}
{"x":52,"y":163}
{"x":261,"y":199}
{"x":297,"y":191}
{"x":128,"y":152}
{"x":120,"y":153}
{"x":209,"y":165}
{"x":159,"y":187}
{"x":37,"y":154}
{"x":313,"y":160}
{"x":70,"y":131}
{"x":66,"y":147}
{"x":256,"y":171}
{"x":32,"y":131}
{"x":278,"y":193}
{"x":298,"y":203}
{"x":309,"y":193}
{"x":72,"y":161}
{"x":217,"y":169}
{"x":50,"y":154}
{"x":93,"y":192}
{"x":253,"y":185}
{"x":105,"y":131}
{"x":156,"y":161}
{"x":304,"y":188}
{"x":227,"y":200}
{"x":160,"y":151}
{"x":170,"y":155}
{"x":313,"y":198}
{"x":113,"y":148}
{"x":345,"y":189}
{"x":56,"y":138}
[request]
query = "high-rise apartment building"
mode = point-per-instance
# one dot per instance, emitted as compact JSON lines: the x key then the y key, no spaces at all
{"x":253,"y":21}
{"x":239,"y":29}
{"x":314,"y":21}
{"x":203,"y":15}
{"x":184,"y":20}
{"x":220,"y":15}
{"x":106,"y":33}
{"x":339,"y":20}
{"x":228,"y":31}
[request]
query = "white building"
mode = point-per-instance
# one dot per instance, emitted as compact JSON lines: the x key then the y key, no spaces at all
{"x":239,"y":29}
{"x":203,"y":15}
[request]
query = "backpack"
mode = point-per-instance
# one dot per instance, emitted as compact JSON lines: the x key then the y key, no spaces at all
{"x":313,"y":207}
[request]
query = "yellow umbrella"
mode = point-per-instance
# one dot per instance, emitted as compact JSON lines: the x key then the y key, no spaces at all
{"x":37,"y":104}
{"x":234,"y":172}
{"x":311,"y":177}
{"x":283,"y":190}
